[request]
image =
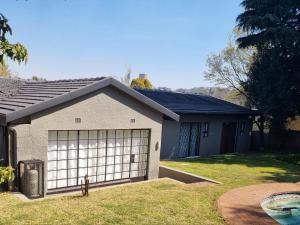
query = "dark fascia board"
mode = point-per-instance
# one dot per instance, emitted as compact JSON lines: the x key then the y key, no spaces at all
{"x":87,"y":90}
{"x":250,"y":113}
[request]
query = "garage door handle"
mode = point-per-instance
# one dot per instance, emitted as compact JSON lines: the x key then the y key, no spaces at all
{"x":132,"y":156}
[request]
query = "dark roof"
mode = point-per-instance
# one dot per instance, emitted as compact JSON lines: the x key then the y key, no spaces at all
{"x":32,"y":97}
{"x":181,"y":103}
{"x":9,"y":86}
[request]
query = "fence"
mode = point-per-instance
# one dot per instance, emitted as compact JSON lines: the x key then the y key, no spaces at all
{"x":291,"y":140}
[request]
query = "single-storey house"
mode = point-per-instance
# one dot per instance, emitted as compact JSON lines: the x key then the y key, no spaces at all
{"x":96,"y":127}
{"x":207,"y":125}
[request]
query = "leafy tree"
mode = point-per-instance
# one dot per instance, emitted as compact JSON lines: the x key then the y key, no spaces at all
{"x":141,"y":83}
{"x":16,"y":52}
{"x":273,"y":28}
{"x":230,"y":67}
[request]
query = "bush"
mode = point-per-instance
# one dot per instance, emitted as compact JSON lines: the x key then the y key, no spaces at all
{"x":6,"y":174}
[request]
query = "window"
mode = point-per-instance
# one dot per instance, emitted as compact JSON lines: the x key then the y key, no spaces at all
{"x":205,"y":129}
{"x":242,"y":128}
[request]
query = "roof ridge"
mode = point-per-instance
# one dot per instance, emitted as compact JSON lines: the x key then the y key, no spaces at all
{"x":66,"y":80}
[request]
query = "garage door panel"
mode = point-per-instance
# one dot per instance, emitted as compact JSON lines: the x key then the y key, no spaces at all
{"x":72,"y":173}
{"x":72,"y":154}
{"x":62,"y":165}
{"x":62,"y":183}
{"x":101,"y":170}
{"x":52,"y":155}
{"x":93,"y":135}
{"x":103,"y":155}
{"x":52,"y":165}
{"x":52,"y":145}
{"x":62,"y":174}
{"x":51,"y":184}
{"x":109,"y":177}
{"x":118,"y":159}
{"x":110,"y":160}
{"x":62,"y":144}
{"x":126,"y":159}
{"x":102,"y":161}
{"x":125,"y":175}
{"x":117,"y":176}
{"x":72,"y":182}
{"x":62,"y":135}
{"x":52,"y":136}
{"x":92,"y":162}
{"x":62,"y":155}
{"x":83,"y":144}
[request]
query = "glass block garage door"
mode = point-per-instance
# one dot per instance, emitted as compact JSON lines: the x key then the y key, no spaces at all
{"x":103,"y":155}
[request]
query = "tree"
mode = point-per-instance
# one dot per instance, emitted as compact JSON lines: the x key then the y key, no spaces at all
{"x":4,"y":70}
{"x":127,"y":77}
{"x":270,"y":23}
{"x":36,"y":78}
{"x":230,"y":67}
{"x":16,"y":52}
{"x":273,"y":28}
{"x":142,"y":83}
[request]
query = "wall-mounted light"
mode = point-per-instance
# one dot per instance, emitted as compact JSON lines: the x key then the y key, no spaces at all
{"x":157,"y":146}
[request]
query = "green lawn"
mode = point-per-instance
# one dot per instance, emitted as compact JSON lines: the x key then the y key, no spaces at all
{"x":158,"y":202}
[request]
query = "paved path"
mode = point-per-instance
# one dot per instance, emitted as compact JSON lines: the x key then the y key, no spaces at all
{"x":241,"y":206}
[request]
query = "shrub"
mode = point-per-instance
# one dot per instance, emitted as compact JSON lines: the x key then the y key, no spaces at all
{"x":6,"y":174}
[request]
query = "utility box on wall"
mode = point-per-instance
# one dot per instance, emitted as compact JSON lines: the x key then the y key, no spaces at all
{"x":31,"y":178}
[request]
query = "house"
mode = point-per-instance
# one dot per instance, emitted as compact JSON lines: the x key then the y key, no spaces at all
{"x":207,"y":125}
{"x":96,"y":127}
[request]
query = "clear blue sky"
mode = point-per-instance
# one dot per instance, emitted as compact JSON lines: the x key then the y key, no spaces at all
{"x":167,"y":39}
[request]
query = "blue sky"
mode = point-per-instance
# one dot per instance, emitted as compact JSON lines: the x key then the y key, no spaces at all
{"x":167,"y":39}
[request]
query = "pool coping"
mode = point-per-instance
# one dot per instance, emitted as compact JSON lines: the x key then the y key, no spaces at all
{"x":242,"y":206}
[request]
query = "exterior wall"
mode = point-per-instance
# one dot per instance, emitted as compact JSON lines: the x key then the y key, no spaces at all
{"x":208,"y":145}
{"x":107,"y":109}
{"x":169,"y":140}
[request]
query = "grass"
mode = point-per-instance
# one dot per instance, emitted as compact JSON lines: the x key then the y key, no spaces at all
{"x":157,"y":202}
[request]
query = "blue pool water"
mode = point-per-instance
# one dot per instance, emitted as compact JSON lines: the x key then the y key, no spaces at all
{"x":284,"y":208}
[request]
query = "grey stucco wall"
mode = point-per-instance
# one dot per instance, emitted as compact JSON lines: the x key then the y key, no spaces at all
{"x":208,"y":145}
{"x":170,"y":137}
{"x":106,"y":109}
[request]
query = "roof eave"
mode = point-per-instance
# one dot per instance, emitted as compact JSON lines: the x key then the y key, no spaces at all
{"x":218,"y":113}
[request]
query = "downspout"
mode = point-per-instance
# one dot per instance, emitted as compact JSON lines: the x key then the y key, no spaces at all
{"x":11,"y":150}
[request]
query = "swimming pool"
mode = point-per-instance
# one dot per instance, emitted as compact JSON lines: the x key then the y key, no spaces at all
{"x":284,"y":208}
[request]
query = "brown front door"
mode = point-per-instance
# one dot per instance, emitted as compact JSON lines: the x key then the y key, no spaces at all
{"x":228,"y":138}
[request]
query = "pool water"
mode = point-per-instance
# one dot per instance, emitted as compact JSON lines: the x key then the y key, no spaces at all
{"x":284,"y":208}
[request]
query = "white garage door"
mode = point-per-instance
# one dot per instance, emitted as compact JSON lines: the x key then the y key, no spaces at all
{"x":103,"y":155}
